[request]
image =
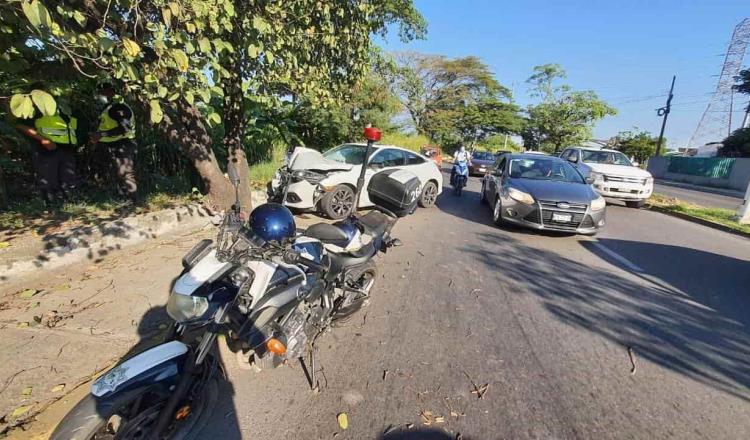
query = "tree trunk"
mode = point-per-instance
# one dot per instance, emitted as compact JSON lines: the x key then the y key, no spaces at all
{"x":234,"y":113}
{"x":186,"y":129}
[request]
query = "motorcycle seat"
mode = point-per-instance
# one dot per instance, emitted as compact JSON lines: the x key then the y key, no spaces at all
{"x":340,"y":261}
{"x":328,"y":234}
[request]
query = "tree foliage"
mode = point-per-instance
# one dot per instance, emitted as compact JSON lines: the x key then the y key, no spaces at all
{"x":563,"y":116}
{"x":454,"y":101}
{"x":639,"y":145}
{"x":193,"y":65}
{"x":737,"y":144}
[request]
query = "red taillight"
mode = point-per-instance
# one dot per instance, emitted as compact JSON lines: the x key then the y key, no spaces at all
{"x":373,"y":134}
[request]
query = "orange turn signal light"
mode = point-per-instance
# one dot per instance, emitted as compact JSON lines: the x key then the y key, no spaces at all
{"x":276,"y":347}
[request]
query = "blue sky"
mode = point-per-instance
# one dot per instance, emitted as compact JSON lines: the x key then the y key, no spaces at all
{"x":626,"y":51}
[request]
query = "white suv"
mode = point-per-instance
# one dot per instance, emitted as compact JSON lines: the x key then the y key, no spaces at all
{"x":612,"y":173}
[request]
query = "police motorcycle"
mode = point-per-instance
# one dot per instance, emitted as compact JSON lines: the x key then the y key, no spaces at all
{"x":261,"y":293}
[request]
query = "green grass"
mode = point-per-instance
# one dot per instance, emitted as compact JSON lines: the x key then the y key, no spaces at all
{"x":261,"y":173}
{"x":413,"y":142}
{"x":723,"y":217}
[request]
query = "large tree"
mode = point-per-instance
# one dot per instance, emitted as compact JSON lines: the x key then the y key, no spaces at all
{"x":454,"y":101}
{"x":194,"y":63}
{"x":639,"y":145}
{"x":562,"y":116}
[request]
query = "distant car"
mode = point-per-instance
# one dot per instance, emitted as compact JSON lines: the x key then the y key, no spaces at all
{"x":481,"y":161}
{"x":612,"y":173}
{"x":434,"y":153}
{"x":542,"y":192}
{"x":327,"y":182}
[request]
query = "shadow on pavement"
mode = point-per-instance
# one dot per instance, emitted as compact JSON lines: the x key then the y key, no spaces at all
{"x":691,"y":335}
{"x":419,"y":434}
{"x":151,"y":329}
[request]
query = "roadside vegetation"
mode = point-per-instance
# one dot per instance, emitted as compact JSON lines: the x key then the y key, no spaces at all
{"x":724,"y":217}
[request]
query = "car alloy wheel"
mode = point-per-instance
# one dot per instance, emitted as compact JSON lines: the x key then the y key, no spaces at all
{"x":342,"y":202}
{"x":429,"y":195}
{"x":497,"y":212}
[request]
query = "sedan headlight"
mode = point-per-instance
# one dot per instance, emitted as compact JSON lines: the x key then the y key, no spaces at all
{"x":598,"y":204}
{"x":309,"y":176}
{"x":520,"y":196}
{"x":183,"y":308}
{"x":649,"y":181}
{"x":596,"y":177}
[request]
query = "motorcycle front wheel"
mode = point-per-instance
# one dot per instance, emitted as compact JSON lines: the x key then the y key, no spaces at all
{"x":132,"y":415}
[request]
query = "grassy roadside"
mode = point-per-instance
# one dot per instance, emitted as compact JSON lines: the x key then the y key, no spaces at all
{"x":724,"y":217}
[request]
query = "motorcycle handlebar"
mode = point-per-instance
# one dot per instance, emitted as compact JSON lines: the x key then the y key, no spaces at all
{"x":292,"y":257}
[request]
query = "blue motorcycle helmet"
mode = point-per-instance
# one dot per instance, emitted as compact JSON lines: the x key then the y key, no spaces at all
{"x":273,"y":222}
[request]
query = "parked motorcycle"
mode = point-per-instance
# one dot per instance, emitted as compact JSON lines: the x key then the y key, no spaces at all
{"x":460,"y":176}
{"x":267,"y":291}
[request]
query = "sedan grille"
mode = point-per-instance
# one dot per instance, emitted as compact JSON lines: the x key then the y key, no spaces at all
{"x":550,"y":209}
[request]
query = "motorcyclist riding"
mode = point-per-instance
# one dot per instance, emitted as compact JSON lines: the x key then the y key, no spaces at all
{"x":460,"y":156}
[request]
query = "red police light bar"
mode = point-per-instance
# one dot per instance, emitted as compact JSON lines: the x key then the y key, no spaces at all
{"x":373,"y":134}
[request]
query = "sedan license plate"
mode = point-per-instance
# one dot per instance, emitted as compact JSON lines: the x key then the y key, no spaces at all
{"x":558,"y":217}
{"x":482,"y":169}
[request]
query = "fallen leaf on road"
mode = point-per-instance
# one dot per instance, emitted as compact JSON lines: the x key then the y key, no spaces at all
{"x":426,"y":417}
{"x":27,"y":391}
{"x":21,"y":410}
{"x":409,"y":425}
{"x":28,"y":293}
{"x":4,"y":244}
{"x":479,"y":391}
{"x":22,"y":324}
{"x":385,"y":374}
{"x":62,"y":287}
{"x":439,"y":419}
{"x":343,"y":420}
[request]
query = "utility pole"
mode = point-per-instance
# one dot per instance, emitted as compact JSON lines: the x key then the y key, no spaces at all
{"x":731,"y":110}
{"x":664,"y":112}
{"x":746,"y":119}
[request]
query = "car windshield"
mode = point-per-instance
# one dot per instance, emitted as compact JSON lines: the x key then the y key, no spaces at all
{"x":483,"y":155}
{"x":608,"y":157}
{"x":348,"y":153}
{"x":544,"y":168}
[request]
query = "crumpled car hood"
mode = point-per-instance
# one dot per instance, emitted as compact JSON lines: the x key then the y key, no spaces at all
{"x":308,"y":159}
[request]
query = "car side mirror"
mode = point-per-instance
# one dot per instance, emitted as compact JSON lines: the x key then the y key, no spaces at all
{"x":497,"y":172}
{"x":376,"y":165}
{"x":590,"y":180}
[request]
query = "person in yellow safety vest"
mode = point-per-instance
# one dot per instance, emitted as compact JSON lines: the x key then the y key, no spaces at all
{"x":116,"y":131}
{"x":55,"y":142}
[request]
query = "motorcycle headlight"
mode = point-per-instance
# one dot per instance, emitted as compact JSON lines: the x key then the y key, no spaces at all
{"x":183,"y":308}
{"x":520,"y":196}
{"x":598,"y":204}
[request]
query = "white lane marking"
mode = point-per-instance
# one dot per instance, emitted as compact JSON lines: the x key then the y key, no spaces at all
{"x":624,"y":261}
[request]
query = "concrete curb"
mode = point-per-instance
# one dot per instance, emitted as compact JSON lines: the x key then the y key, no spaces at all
{"x":699,"y":221}
{"x":705,"y":189}
{"x":95,"y":242}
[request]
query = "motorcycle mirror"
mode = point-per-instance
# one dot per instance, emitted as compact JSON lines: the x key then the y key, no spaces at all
{"x":232,"y":172}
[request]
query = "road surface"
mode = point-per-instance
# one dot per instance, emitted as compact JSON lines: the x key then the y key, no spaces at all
{"x":542,"y":323}
{"x":700,"y":198}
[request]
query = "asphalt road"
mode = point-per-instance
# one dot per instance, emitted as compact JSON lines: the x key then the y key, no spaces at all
{"x":542,"y":323}
{"x":700,"y":198}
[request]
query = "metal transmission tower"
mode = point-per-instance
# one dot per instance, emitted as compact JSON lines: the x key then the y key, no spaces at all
{"x":715,"y":122}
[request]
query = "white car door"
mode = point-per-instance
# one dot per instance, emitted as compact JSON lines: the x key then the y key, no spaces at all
{"x":385,"y":159}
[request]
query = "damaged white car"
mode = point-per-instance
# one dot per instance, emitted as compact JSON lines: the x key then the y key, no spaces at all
{"x":327,"y":182}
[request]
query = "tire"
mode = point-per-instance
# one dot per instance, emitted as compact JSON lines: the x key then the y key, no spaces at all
{"x":339,"y":203}
{"x":637,"y":204}
{"x":497,"y":208}
{"x":429,"y":195}
{"x":352,"y":303}
{"x":89,"y":417}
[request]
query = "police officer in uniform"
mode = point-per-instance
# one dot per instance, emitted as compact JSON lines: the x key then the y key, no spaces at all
{"x":116,"y":132}
{"x":53,"y":156}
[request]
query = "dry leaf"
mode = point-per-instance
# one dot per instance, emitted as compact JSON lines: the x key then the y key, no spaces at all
{"x":439,"y":419}
{"x":22,"y":324}
{"x":4,"y":244}
{"x":28,"y":293}
{"x":27,"y":391}
{"x":343,"y":420}
{"x":21,"y":410}
{"x":58,"y":388}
